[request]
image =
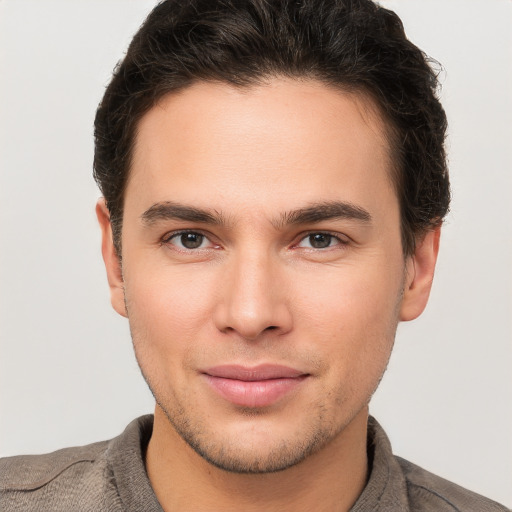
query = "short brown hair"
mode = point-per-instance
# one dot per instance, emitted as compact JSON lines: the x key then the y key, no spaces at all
{"x":349,"y":44}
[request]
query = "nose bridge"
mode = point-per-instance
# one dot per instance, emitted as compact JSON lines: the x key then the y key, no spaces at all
{"x":252,"y":301}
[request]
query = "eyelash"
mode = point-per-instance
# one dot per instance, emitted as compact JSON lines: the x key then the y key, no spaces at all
{"x":340,"y":239}
{"x":175,"y":234}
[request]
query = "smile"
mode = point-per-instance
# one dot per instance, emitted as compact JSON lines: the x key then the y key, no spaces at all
{"x":258,"y":386}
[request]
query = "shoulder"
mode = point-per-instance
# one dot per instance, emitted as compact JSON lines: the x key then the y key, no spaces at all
{"x":29,"y":472}
{"x":429,"y":492}
{"x":109,"y":476}
{"x":62,"y":480}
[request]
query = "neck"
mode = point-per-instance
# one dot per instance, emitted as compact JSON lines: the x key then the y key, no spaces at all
{"x":330,"y":479}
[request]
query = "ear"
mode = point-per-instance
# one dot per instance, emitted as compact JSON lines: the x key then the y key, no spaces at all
{"x":419,"y":275}
{"x":111,"y":259}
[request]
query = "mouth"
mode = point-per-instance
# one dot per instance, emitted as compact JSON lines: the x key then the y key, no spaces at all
{"x":258,"y":386}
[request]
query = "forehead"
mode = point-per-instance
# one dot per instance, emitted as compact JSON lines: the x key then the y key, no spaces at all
{"x":258,"y":146}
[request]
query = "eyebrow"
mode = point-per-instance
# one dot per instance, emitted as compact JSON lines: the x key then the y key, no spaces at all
{"x":319,"y":212}
{"x":169,"y":210}
{"x":313,"y":213}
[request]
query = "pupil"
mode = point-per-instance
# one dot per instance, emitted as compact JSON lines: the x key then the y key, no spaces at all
{"x":191,"y":240}
{"x":320,"y":241}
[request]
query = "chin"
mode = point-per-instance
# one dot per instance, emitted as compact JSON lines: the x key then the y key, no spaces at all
{"x":254,"y":444}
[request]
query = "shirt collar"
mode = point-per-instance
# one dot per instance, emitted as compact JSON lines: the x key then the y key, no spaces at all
{"x":126,"y":455}
{"x":386,"y":489}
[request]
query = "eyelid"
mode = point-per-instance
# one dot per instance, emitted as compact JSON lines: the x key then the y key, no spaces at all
{"x":340,"y":237}
{"x":172,"y":234}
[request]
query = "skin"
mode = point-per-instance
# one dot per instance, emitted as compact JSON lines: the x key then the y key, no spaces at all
{"x":259,"y":289}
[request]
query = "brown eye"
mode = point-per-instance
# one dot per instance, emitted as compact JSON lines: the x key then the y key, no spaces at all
{"x":320,"y":240}
{"x":191,"y":240}
{"x":188,"y":240}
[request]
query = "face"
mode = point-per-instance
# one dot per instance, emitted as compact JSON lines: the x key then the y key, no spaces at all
{"x":262,"y":268}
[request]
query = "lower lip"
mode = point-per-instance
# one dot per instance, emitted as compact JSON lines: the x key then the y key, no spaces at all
{"x":259,"y":393}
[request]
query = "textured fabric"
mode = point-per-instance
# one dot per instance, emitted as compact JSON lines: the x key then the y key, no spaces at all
{"x":107,"y":476}
{"x":110,"y":476}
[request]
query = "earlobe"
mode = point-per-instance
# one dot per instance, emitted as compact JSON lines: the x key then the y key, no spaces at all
{"x":111,"y":259}
{"x":420,"y":274}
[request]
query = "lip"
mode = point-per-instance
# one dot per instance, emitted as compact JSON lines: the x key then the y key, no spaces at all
{"x":257,"y":386}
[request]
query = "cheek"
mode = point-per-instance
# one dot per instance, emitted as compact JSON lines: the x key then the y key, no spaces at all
{"x":167,"y":310}
{"x":353,"y":318}
{"x":350,"y":297}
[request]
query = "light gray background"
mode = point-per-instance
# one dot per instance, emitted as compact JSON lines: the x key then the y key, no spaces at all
{"x":67,"y":373}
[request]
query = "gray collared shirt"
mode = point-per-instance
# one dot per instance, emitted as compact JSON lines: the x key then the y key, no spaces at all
{"x":110,"y":476}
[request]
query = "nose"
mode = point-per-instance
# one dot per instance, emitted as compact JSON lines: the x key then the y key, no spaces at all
{"x":253,"y":298}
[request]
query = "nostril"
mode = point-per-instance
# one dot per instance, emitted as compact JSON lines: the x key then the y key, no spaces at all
{"x":271,"y":327}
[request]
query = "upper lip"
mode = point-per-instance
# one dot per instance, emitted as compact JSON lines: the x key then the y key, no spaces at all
{"x":253,"y":373}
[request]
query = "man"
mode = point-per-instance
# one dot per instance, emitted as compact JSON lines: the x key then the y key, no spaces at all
{"x":275,"y":181}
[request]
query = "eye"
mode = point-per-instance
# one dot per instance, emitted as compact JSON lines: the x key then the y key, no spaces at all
{"x":188,"y":240}
{"x":320,"y":241}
